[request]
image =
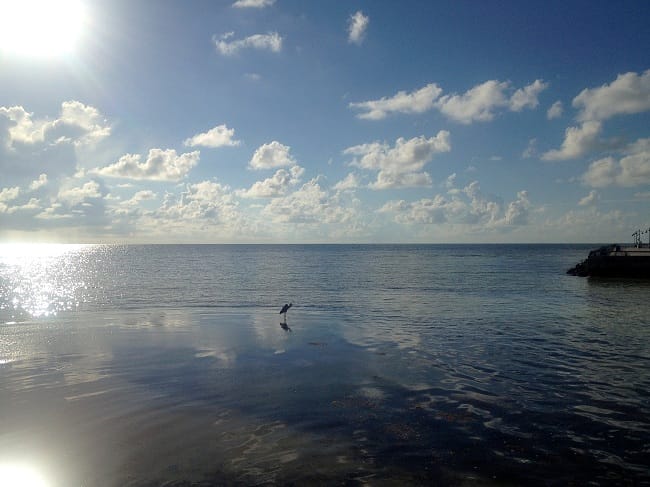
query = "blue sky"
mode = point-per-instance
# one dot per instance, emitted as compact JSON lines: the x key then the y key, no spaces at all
{"x":329,"y":121}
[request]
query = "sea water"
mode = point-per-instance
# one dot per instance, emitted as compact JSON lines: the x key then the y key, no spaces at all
{"x":397,"y":364}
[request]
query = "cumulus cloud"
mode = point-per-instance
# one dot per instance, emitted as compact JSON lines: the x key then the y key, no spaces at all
{"x":88,"y":119}
{"x":349,"y":182}
{"x":197,"y":212}
{"x":633,"y":169}
{"x":277,"y":185}
{"x":518,"y":210}
{"x":418,"y":101}
{"x":219,"y":136}
{"x":138,"y":197}
{"x":629,"y":93}
{"x":590,"y":199}
{"x":204,"y":202}
{"x":77,"y":195}
{"x":578,"y":141}
{"x":38,"y":183}
{"x":160,"y":165}
{"x":555,"y":111}
{"x":530,"y":150}
{"x":310,"y":204}
{"x":357,"y":26}
{"x":253,"y":3}
{"x":15,"y":199}
{"x":527,"y":97}
{"x":75,"y":206}
{"x":77,"y":123}
{"x":478,"y":104}
{"x":468,"y":206}
{"x":424,"y":211}
{"x":9,"y":194}
{"x":270,"y":42}
{"x":271,"y":155}
{"x":400,"y":165}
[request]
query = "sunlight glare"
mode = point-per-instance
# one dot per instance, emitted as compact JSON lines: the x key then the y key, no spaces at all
{"x":40,"y":28}
{"x":21,"y":475}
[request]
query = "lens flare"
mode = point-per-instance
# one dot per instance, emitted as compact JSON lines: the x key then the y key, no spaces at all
{"x":21,"y":475}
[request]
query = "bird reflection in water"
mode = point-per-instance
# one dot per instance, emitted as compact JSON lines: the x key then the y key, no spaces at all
{"x":283,"y":322}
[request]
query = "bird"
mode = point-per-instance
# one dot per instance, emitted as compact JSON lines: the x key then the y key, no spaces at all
{"x":285,"y":308}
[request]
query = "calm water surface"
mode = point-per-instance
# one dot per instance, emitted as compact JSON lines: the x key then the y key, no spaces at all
{"x":151,"y":365}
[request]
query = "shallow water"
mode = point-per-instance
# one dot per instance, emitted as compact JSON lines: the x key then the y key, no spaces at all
{"x":140,"y":365}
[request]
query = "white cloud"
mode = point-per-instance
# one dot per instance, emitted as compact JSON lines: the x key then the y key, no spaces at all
{"x":77,"y":195}
{"x":578,"y":141}
{"x":633,"y":169}
{"x":271,"y":42}
{"x":357,"y":26}
{"x":424,"y":211}
{"x":310,"y":204}
{"x":219,"y":136}
{"x":38,"y":183}
{"x":418,"y":101}
{"x":590,"y":199}
{"x":200,"y":204}
{"x":271,"y":155}
{"x":517,"y":211}
{"x":467,"y":207}
{"x":9,"y":194}
{"x":138,"y":197}
{"x":389,"y":180}
{"x":401,"y":165}
{"x":555,"y":111}
{"x":82,"y":207}
{"x":629,"y":93}
{"x":530,"y":150}
{"x":253,"y":3}
{"x":93,"y":126}
{"x":77,"y":123}
{"x":601,"y":173}
{"x":349,"y":182}
{"x":277,"y":185}
{"x":479,"y":104}
{"x":160,"y":165}
{"x":199,"y":212}
{"x":12,"y":200}
{"x":526,"y":97}
{"x":450,"y":182}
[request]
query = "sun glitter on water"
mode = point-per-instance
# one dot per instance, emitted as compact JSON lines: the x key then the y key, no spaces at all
{"x":40,"y":28}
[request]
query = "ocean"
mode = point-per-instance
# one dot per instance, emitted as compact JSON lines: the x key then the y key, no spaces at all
{"x":142,"y":365}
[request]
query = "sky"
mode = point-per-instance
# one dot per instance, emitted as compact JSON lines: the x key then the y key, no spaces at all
{"x":332,"y":121}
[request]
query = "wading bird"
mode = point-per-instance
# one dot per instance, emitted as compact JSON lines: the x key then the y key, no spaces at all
{"x":284,"y":310}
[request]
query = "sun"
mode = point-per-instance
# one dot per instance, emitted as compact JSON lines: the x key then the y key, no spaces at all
{"x":40,"y":28}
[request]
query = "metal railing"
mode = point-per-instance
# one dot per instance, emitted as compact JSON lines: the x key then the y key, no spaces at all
{"x":638,"y":238}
